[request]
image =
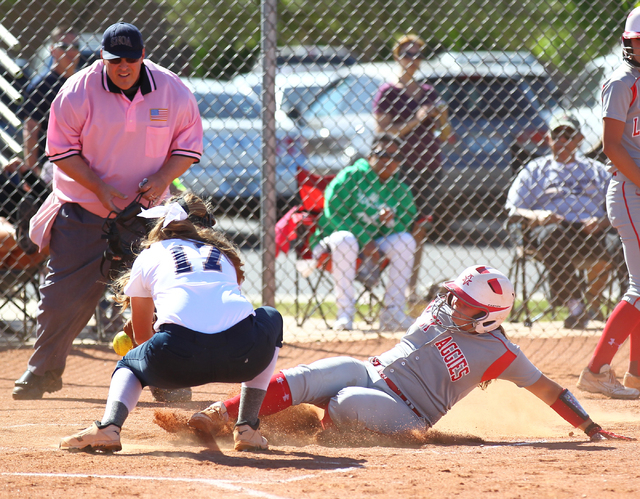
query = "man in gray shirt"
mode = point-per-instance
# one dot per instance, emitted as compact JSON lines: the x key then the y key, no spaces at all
{"x":560,"y":200}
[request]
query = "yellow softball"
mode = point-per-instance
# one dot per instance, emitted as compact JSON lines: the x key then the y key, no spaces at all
{"x":122,"y":343}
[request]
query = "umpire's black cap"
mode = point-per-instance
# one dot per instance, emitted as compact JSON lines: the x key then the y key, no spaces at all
{"x":122,"y":40}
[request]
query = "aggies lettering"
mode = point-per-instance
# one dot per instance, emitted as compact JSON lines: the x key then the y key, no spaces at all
{"x":453,"y":358}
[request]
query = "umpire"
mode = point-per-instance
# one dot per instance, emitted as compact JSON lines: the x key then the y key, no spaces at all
{"x":113,"y":124}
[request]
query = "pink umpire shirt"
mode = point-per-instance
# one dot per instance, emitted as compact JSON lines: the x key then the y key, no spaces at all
{"x":123,"y":141}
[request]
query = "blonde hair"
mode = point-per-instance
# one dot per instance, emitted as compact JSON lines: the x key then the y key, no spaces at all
{"x":406,"y":40}
{"x":188,"y":230}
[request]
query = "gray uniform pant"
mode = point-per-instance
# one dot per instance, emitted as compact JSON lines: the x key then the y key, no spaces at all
{"x":623,"y":209}
{"x":72,"y":289}
{"x":357,"y":396}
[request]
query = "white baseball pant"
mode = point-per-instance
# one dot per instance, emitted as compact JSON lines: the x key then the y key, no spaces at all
{"x":398,"y":247}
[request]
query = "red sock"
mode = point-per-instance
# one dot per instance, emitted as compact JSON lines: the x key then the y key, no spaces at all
{"x":278,"y":398}
{"x":624,"y":319}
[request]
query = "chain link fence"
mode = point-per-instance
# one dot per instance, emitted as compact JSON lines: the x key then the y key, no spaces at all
{"x":496,"y":74}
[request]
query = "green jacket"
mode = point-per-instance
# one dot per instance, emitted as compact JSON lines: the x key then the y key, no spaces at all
{"x":353,"y":200}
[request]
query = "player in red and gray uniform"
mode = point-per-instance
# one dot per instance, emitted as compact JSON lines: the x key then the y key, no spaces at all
{"x":456,"y":345}
{"x":621,"y":144}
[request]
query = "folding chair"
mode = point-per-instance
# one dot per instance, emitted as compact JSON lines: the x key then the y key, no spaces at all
{"x":528,"y":259}
{"x":294,"y":230}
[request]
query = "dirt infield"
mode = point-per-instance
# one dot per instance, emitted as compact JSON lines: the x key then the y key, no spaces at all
{"x":499,"y":443}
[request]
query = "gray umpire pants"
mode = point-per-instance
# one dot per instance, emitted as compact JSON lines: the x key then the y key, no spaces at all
{"x":72,"y":289}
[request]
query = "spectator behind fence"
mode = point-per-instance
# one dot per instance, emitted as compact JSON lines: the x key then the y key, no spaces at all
{"x":112,"y":125}
{"x":369,"y":212}
{"x":561,"y":199}
{"x":620,"y":114}
{"x":414,"y":111}
{"x":20,"y":201}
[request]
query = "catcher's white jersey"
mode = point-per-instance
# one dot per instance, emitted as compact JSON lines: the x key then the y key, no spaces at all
{"x":192,"y":284}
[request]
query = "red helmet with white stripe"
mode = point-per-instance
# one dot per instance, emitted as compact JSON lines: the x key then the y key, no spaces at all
{"x":486,"y":288}
{"x":631,"y":30}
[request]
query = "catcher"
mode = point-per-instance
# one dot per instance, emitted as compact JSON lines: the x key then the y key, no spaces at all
{"x":206,"y":329}
{"x":456,"y":345}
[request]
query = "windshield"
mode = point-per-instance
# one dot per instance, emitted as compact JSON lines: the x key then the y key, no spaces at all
{"x":224,"y":106}
{"x":351,"y":95}
{"x":299,"y":97}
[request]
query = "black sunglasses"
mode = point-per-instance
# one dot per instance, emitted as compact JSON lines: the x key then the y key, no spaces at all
{"x":66,"y":46}
{"x":564,"y":134}
{"x":130,"y":60}
{"x":411,"y":54}
{"x":382,"y":153}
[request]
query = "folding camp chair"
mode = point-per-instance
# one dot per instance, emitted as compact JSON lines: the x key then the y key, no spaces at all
{"x":294,"y":231}
{"x":530,"y":276}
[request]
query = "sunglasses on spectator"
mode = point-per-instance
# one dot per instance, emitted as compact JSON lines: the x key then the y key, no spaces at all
{"x":130,"y":60}
{"x":382,"y":153}
{"x":566,"y":134}
{"x":411,"y":54}
{"x":66,"y":46}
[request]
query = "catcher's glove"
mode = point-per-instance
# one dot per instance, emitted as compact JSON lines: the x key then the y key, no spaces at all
{"x":123,"y":232}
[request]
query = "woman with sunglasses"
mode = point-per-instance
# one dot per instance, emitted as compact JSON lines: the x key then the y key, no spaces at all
{"x":414,"y":111}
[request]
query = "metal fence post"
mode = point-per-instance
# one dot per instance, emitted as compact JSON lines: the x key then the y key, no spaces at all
{"x":268,"y":182}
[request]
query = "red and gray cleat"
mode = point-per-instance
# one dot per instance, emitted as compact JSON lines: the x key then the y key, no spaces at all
{"x":94,"y":438}
{"x":247,"y":439}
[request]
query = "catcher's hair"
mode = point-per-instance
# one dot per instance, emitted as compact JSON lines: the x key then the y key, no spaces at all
{"x":187,"y":230}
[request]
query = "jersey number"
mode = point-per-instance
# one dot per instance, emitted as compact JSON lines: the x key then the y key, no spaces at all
{"x":183,"y":265}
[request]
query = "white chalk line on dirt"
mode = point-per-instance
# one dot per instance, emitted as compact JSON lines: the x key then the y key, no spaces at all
{"x":222,"y":484}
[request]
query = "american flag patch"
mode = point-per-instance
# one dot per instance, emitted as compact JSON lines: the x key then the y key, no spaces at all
{"x":159,"y":114}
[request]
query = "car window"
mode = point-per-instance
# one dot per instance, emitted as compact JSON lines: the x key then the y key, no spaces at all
{"x":225,"y":106}
{"x":351,"y":95}
{"x":299,"y":97}
{"x":487,"y":98}
{"x":545,"y":91}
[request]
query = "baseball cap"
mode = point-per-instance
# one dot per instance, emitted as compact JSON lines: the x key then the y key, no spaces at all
{"x":122,"y":40}
{"x":564,"y":120}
